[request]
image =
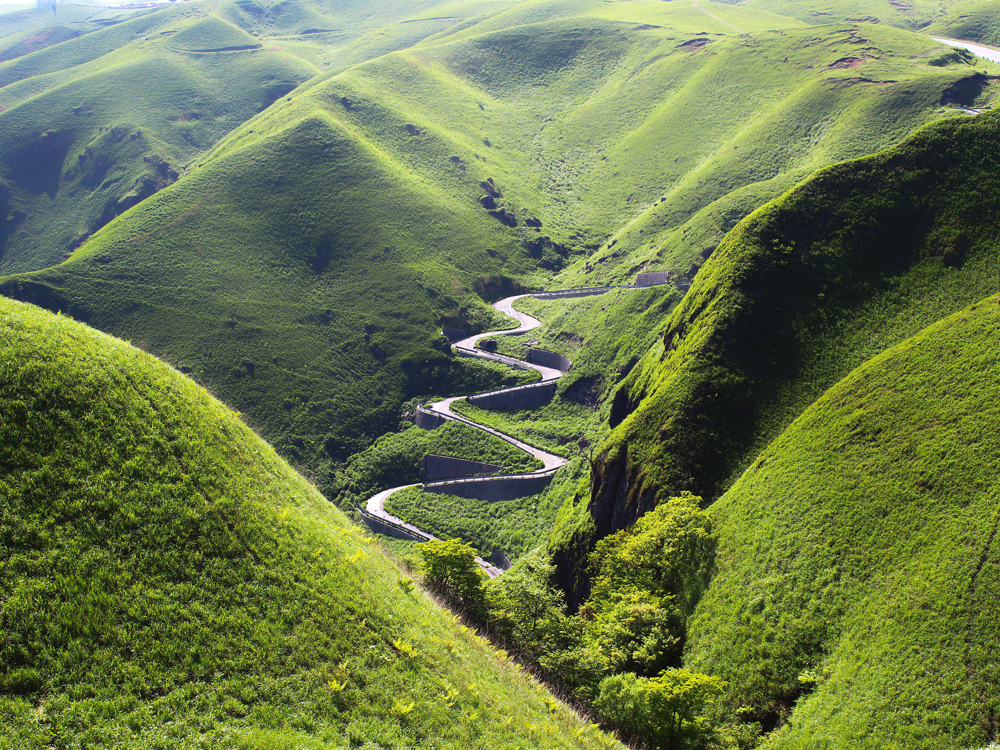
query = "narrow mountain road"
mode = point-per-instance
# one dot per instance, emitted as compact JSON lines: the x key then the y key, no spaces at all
{"x":375,"y":505}
{"x":712,"y":15}
{"x":987,"y":53}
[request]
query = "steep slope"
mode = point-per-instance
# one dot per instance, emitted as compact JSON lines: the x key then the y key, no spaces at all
{"x":96,"y":124}
{"x":659,"y":140}
{"x":974,"y":20}
{"x":305,"y":276}
{"x":168,"y":581}
{"x":858,"y":567}
{"x":272,"y":249}
{"x":852,"y":261}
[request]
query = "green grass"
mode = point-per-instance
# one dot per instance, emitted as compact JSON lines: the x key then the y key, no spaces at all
{"x":914,"y":15}
{"x":170,"y":582}
{"x":270,"y":249}
{"x":94,"y":124}
{"x":856,"y":585}
{"x":843,"y":267}
{"x":30,"y":20}
{"x":395,"y":458}
{"x":973,"y":20}
{"x":268,"y":257}
{"x":26,"y":42}
{"x":515,"y":527}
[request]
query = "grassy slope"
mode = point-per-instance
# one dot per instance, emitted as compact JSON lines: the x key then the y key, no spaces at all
{"x":25,"y":42}
{"x":974,"y":20}
{"x":859,"y":550}
{"x":169,"y":581}
{"x":914,"y":15}
{"x":273,"y":252}
{"x":304,"y":275}
{"x":90,"y":121}
{"x":851,"y":262}
{"x":609,"y":120}
{"x":33,"y":20}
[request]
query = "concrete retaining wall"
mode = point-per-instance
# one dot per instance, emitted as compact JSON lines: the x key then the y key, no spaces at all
{"x":445,"y":467}
{"x":380,"y":526}
{"x":493,"y":489}
{"x":570,"y":293}
{"x":548,"y":359}
{"x":425,"y":419}
{"x":520,"y":397}
{"x":654,"y":278}
{"x":454,"y":334}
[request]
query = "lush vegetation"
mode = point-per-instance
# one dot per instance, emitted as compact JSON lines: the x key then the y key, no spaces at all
{"x":857,"y":564}
{"x":289,"y":200}
{"x":395,"y":459}
{"x":168,"y":581}
{"x":633,"y":138}
{"x":855,"y":259}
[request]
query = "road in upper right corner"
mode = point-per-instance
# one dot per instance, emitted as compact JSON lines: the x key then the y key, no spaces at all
{"x":987,"y":53}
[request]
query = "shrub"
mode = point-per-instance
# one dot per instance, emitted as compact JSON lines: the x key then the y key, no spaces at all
{"x":665,"y":710}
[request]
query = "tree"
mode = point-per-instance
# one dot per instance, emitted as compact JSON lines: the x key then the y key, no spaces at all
{"x":636,"y":631}
{"x":528,"y":613}
{"x":666,"y":710}
{"x":523,"y":605}
{"x":451,"y":571}
{"x":647,"y":580}
{"x":667,"y":552}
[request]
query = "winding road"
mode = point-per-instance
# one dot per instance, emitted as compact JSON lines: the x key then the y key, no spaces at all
{"x":375,"y":505}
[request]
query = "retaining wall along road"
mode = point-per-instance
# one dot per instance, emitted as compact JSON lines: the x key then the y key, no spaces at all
{"x":380,"y":526}
{"x":522,"y":397}
{"x":499,"y":559}
{"x":445,"y":467}
{"x":494,"y":489}
{"x":549,"y":359}
{"x":428,"y":420}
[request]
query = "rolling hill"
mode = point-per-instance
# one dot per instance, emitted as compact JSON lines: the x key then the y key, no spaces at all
{"x":303,"y":265}
{"x":167,"y":580}
{"x":855,"y":596}
{"x":854,"y":260}
{"x":93,"y":125}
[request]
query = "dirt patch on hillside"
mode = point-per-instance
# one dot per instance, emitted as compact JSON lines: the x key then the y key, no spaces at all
{"x":693,"y":44}
{"x":844,"y":83}
{"x":848,"y":62}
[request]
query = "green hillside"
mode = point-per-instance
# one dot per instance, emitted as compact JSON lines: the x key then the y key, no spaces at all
{"x":326,"y":240}
{"x":26,"y":42}
{"x":168,"y":581}
{"x":973,"y":20}
{"x":79,"y":16}
{"x":854,"y":260}
{"x":94,"y":125}
{"x":857,"y":570}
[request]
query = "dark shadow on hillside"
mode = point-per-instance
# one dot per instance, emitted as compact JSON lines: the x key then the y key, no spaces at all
{"x":273,"y":92}
{"x":966,"y":91}
{"x":38,"y":164}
